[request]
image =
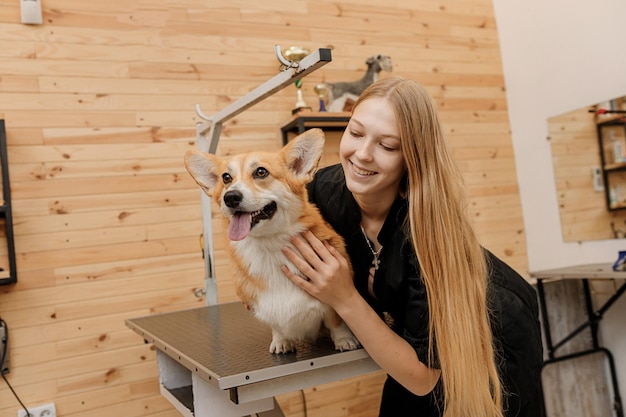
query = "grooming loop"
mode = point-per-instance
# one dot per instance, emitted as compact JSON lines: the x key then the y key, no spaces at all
{"x":286,"y":63}
{"x":291,"y":72}
{"x":208,"y":133}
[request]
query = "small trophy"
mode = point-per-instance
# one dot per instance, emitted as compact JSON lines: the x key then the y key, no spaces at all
{"x":295,"y":54}
{"x":322,"y":95}
{"x":300,"y":103}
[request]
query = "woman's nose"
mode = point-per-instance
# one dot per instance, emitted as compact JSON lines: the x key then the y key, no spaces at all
{"x":365,"y":150}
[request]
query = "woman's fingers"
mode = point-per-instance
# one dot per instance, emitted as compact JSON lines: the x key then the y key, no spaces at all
{"x":316,"y":244}
{"x":299,"y":262}
{"x":333,"y":251}
{"x":326,"y":272}
{"x":303,"y":281}
{"x":295,"y":278}
{"x":313,"y":250}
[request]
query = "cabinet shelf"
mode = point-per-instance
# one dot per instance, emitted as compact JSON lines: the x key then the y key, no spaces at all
{"x":620,"y":166}
{"x":612,"y":144}
{"x":617,"y":119}
{"x":618,"y":206}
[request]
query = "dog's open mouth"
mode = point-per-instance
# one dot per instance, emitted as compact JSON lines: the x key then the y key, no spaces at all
{"x":243,"y":221}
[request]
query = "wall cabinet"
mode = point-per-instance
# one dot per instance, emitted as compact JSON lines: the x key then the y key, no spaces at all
{"x":8,"y":270}
{"x":612,"y":141}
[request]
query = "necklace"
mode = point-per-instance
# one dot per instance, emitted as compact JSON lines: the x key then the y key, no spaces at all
{"x":376,"y":261}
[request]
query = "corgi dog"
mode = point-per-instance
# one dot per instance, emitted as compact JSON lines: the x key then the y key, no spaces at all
{"x":264,"y":197}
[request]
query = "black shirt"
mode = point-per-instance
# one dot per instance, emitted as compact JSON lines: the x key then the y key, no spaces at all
{"x":400,"y":293}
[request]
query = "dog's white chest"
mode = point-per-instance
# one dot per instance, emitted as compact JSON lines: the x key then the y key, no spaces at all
{"x":282,"y":305}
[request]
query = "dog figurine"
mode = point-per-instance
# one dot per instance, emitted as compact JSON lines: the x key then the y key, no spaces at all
{"x":343,"y":95}
{"x":264,"y":196}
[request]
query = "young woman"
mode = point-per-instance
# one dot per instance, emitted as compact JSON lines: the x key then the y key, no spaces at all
{"x":454,"y":327}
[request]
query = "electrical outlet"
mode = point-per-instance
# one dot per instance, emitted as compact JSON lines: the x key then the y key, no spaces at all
{"x":31,"y":12}
{"x":598,"y":181}
{"x":45,"y":410}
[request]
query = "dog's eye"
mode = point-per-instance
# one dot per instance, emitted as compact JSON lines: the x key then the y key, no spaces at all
{"x":261,"y":172}
{"x":226,"y":178}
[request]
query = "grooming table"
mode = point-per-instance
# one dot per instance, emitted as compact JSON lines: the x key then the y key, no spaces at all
{"x":215,"y":361}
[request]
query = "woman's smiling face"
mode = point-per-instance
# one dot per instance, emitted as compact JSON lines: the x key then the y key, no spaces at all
{"x":370,"y":151}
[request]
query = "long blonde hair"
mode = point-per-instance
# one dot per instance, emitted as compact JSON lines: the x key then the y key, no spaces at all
{"x":452,"y":262}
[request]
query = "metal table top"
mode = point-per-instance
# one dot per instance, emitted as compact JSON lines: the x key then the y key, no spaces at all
{"x":227,"y":346}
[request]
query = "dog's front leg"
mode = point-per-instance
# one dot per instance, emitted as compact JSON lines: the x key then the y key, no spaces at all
{"x":280,"y":343}
{"x":341,"y":334}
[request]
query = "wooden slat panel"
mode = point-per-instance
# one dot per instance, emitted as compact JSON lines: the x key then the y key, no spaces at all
{"x":575,"y":151}
{"x":99,"y":107}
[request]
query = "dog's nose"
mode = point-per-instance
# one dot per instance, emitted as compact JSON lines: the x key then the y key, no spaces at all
{"x":233,"y":198}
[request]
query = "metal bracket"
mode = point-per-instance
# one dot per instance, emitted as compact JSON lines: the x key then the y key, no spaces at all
{"x":293,"y":72}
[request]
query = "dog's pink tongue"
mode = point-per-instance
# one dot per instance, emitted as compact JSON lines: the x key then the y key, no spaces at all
{"x":239,"y":226}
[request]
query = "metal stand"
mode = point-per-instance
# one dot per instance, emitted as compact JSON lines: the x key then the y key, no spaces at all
{"x":292,"y":71}
{"x":584,"y":273}
{"x":215,"y":360}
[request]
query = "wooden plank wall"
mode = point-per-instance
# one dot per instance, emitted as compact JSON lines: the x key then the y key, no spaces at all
{"x":575,"y":153}
{"x":99,"y":107}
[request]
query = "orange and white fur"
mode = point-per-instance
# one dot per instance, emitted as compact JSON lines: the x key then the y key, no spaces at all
{"x":264,"y":197}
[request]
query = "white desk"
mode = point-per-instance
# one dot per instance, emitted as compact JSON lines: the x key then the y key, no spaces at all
{"x":594,"y":316}
{"x":215,"y":361}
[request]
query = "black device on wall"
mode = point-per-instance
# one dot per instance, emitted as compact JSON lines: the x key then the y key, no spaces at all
{"x":6,"y":276}
{"x":4,"y":348}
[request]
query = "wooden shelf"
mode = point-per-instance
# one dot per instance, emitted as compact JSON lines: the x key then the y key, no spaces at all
{"x":615,"y":167}
{"x":307,"y":120}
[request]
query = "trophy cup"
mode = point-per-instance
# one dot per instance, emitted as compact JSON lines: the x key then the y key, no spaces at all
{"x":295,"y":54}
{"x":322,"y":95}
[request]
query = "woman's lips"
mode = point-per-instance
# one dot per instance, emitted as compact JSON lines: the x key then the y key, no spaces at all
{"x":361,"y":171}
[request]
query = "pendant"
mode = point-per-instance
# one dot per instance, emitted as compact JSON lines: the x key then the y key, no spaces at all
{"x":376,"y":262}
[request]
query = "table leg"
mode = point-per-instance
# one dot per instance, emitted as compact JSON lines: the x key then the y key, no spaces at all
{"x":593,"y":323}
{"x":544,"y":316}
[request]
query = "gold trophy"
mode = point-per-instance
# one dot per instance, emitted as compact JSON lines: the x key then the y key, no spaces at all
{"x":322,"y":95}
{"x":295,"y":54}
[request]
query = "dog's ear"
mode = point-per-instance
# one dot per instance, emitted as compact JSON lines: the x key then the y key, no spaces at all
{"x":204,"y":169}
{"x":303,"y":154}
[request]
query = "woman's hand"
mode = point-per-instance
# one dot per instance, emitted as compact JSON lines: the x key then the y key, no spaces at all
{"x":328,"y":278}
{"x":328,"y":274}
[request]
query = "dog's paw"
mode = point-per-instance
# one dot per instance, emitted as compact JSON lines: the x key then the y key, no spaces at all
{"x":346,"y":343}
{"x":282,"y":346}
{"x":343,"y":338}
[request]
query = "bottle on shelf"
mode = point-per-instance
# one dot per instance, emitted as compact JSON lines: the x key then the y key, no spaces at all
{"x":616,"y":146}
{"x":613,"y":198}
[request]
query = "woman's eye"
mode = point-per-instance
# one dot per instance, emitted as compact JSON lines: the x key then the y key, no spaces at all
{"x":261,"y":172}
{"x":226,"y":178}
